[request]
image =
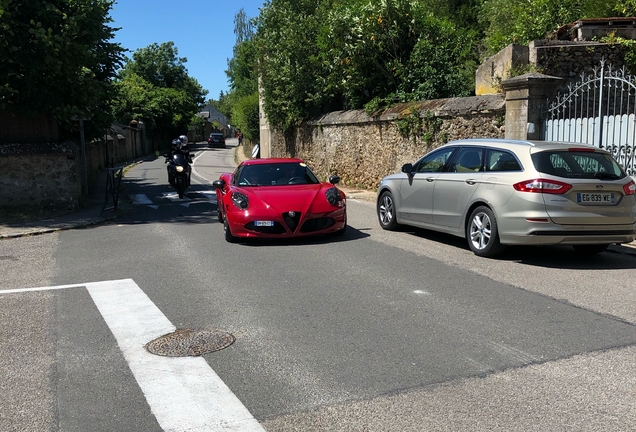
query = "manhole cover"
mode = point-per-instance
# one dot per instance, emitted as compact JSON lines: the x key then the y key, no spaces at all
{"x":187,"y":342}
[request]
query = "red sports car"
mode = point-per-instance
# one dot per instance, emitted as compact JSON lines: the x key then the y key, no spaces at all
{"x":279,"y":198}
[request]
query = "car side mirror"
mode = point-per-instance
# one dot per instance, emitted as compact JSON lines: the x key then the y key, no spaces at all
{"x":218,"y":184}
{"x":334,"y":179}
{"x":407,"y":168}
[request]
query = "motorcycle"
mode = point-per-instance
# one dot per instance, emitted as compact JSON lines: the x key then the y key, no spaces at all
{"x":179,"y":171}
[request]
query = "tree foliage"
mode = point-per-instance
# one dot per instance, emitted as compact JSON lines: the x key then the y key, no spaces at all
{"x":396,"y":51}
{"x":154,"y":87}
{"x":314,"y":56}
{"x":343,"y":54}
{"x":57,"y":58}
{"x":241,"y":103}
{"x":521,"y":21}
{"x":292,"y":75}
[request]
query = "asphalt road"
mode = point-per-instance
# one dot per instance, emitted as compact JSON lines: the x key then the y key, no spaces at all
{"x":375,"y":331}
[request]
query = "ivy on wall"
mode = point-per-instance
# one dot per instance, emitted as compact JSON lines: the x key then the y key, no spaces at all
{"x":412,"y":124}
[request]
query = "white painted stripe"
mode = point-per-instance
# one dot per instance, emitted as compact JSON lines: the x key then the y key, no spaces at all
{"x":23,"y":290}
{"x":174,"y":197}
{"x":183,"y":393}
{"x":209,"y":195}
{"x":141,"y":199}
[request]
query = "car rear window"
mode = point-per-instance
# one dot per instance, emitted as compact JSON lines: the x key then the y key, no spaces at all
{"x":578,"y":164}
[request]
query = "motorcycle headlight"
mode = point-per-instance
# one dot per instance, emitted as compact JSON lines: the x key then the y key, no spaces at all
{"x":333,"y":196}
{"x":179,"y":168}
{"x":240,"y":200}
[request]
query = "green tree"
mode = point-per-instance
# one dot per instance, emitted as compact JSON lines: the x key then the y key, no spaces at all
{"x":154,"y":87}
{"x":291,"y":72}
{"x":57,"y":58}
{"x":245,"y":116}
{"x":241,"y":103}
{"x":521,"y":21}
{"x":396,"y":51}
{"x":626,"y":8}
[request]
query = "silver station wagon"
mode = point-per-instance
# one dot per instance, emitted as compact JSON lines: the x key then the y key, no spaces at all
{"x":497,"y":192}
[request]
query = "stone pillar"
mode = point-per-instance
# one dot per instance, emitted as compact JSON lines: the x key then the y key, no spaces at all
{"x":494,"y":70}
{"x":526,"y":97}
{"x":265,"y":139}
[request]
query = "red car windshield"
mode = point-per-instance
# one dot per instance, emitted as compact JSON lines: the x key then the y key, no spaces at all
{"x":279,"y":174}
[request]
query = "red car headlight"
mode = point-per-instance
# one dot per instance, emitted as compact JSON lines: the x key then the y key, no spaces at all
{"x":240,"y":200}
{"x":333,"y":196}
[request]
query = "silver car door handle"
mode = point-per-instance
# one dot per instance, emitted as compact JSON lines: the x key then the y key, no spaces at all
{"x":430,"y":179}
{"x":471,"y":181}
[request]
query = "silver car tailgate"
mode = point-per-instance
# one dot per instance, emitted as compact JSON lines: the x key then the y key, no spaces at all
{"x":590,"y":202}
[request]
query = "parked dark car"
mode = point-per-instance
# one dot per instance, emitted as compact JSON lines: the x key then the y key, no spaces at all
{"x":216,"y":140}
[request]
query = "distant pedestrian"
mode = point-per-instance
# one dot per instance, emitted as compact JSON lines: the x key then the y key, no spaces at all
{"x":239,"y":135}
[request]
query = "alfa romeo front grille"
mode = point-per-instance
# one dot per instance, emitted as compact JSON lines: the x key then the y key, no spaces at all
{"x":292,"y":221}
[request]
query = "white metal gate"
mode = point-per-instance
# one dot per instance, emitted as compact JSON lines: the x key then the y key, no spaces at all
{"x":600,"y":109}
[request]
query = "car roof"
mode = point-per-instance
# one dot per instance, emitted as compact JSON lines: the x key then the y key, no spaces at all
{"x":519,"y":144}
{"x":266,"y":161}
{"x":216,"y":133}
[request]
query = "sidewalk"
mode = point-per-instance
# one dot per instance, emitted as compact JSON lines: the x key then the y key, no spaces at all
{"x":93,"y":215}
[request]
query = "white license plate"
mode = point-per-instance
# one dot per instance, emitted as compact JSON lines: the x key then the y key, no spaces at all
{"x":595,"y":198}
{"x":264,"y":223}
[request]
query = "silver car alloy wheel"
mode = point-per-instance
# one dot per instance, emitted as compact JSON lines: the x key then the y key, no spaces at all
{"x":480,"y":230}
{"x":386,"y":210}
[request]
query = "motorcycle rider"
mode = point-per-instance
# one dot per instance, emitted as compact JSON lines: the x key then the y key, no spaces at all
{"x":179,"y":145}
{"x":184,"y":140}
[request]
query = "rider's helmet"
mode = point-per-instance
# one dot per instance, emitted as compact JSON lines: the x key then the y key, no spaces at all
{"x":176,"y":143}
{"x":183,"y":139}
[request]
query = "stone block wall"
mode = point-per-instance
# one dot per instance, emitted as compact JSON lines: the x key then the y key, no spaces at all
{"x":49,"y":175}
{"x":562,"y":59}
{"x":568,"y":60}
{"x":363,"y":149}
{"x":493,"y":70}
{"x":40,"y":175}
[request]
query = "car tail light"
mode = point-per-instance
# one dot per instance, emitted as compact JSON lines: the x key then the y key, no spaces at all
{"x":582,"y":149}
{"x":542,"y":186}
{"x":630,"y":188}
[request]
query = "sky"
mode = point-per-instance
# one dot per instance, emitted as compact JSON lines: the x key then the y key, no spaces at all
{"x":202,"y":31}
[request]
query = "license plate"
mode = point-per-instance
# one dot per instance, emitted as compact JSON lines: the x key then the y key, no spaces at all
{"x":595,"y":198}
{"x":264,"y":223}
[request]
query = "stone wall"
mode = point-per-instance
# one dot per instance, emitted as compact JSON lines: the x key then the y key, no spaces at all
{"x":42,"y":175}
{"x":562,"y":59}
{"x":363,"y":149}
{"x":568,"y":60}
{"x":50,"y":175}
{"x":496,"y":69}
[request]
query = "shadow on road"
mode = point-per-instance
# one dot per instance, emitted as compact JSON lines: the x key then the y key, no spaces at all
{"x":564,"y":257}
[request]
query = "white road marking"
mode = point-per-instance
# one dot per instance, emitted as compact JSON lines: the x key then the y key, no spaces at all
{"x":209,"y":195}
{"x":184,"y":393}
{"x":141,"y":199}
{"x":174,"y":197}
